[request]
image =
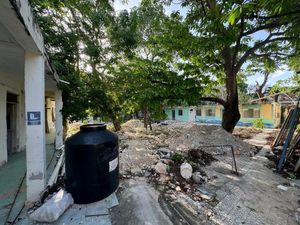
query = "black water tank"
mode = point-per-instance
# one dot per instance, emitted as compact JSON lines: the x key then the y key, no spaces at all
{"x":92,"y":163}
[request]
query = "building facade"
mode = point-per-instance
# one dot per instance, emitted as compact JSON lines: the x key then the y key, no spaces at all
{"x":28,"y":88}
{"x":270,"y":113}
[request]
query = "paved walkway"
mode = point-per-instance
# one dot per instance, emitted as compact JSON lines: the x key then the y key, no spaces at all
{"x":253,"y":198}
{"x":11,"y":175}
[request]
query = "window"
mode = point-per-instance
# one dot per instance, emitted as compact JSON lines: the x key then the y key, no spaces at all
{"x":251,"y":113}
{"x":256,"y":113}
{"x":210,"y":112}
{"x":198,"y":112}
{"x":179,"y":112}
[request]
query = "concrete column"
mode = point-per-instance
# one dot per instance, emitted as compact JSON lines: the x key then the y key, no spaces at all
{"x":3,"y":128}
{"x":58,"y":120}
{"x":35,"y":125}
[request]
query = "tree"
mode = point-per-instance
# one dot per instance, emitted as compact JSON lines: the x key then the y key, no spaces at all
{"x":224,"y":35}
{"x":146,"y":75}
{"x":75,"y":34}
{"x":264,"y":66}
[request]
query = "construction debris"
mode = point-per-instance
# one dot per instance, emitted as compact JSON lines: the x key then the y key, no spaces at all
{"x":186,"y":170}
{"x":53,"y":208}
{"x":286,"y":145}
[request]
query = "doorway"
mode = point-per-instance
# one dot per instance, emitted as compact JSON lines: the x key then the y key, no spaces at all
{"x":173,"y":114}
{"x":11,"y":123}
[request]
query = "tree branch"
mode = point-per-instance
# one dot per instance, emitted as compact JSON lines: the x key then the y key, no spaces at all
{"x":270,"y":54}
{"x":274,"y":16}
{"x":203,"y":8}
{"x":264,"y":27}
{"x":259,"y":45}
{"x":214,"y":99}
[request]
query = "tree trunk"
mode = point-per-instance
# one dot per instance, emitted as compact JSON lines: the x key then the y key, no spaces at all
{"x":145,"y":117}
{"x":116,"y":123}
{"x":149,"y":120}
{"x":231,"y":114}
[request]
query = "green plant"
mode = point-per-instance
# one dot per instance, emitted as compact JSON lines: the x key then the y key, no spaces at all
{"x":258,"y":123}
{"x":177,"y":157}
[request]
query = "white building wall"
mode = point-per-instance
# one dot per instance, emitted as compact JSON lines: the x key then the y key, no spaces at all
{"x":35,"y":139}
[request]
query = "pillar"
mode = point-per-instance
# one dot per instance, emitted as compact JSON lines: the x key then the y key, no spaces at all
{"x":35,"y":125}
{"x":58,"y":120}
{"x":3,"y":127}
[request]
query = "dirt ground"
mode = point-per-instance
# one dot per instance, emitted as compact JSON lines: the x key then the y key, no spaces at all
{"x":150,"y":176}
{"x":140,"y":149}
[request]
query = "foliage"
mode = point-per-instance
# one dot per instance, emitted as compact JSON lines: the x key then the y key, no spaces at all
{"x":143,"y":60}
{"x":258,"y":123}
{"x":223,"y":37}
{"x":147,"y":77}
{"x":75,"y":34}
{"x":177,"y":157}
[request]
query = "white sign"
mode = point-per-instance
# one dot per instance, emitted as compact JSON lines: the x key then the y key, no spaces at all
{"x":113,"y":164}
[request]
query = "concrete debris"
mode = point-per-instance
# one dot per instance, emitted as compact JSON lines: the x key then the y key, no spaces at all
{"x":206,"y":185}
{"x":178,"y":188}
{"x":186,"y":170}
{"x":198,"y":178}
{"x":281,"y":187}
{"x":53,"y":208}
{"x":160,"y":168}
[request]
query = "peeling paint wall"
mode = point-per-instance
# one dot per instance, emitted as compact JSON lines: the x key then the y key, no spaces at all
{"x":29,"y":22}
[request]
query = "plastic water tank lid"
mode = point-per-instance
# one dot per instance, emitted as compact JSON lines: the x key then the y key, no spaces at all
{"x":93,"y":127}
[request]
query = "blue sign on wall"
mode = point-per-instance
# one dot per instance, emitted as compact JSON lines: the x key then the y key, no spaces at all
{"x":34,"y":118}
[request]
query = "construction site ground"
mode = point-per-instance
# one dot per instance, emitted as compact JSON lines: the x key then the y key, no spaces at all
{"x":257,"y":195}
{"x":153,"y":192}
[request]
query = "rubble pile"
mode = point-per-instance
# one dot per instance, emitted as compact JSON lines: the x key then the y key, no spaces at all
{"x":174,"y":156}
{"x":246,"y":132}
{"x":183,"y":173}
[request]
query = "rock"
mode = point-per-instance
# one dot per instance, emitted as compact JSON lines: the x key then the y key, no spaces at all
{"x":167,"y":161}
{"x":160,"y":168}
{"x":281,"y":187}
{"x":136,"y":172}
{"x":197,"y":177}
{"x":164,"y":153}
{"x":186,"y":170}
{"x":178,"y":188}
{"x":297,"y":217}
{"x":204,"y":194}
{"x":172,"y":186}
{"x":167,"y":178}
{"x":187,"y":186}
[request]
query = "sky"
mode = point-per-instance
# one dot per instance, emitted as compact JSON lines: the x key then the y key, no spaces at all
{"x":280,"y":74}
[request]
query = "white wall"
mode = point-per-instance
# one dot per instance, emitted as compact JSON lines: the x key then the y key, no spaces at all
{"x":35,"y":139}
